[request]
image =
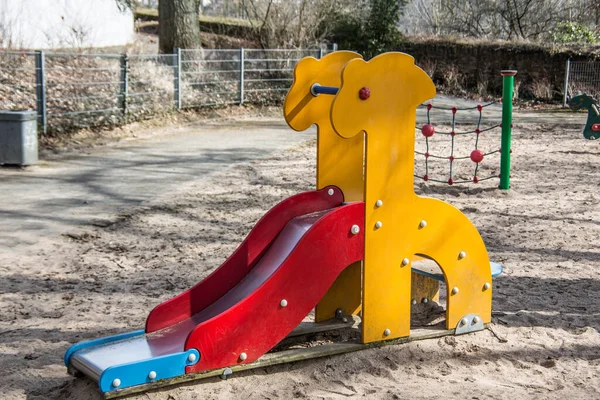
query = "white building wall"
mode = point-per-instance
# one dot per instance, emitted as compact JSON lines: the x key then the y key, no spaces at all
{"x":45,"y":24}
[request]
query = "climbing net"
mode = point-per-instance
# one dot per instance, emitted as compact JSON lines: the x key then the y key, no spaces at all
{"x":452,"y":152}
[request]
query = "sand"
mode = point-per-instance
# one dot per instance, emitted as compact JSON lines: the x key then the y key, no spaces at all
{"x":543,"y":342}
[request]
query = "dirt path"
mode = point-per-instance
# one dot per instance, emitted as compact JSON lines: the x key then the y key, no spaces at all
{"x":58,"y":195}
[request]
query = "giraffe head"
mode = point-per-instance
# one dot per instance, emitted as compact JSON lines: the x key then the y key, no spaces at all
{"x":380,"y":95}
{"x":581,"y":101}
{"x":301,"y":109}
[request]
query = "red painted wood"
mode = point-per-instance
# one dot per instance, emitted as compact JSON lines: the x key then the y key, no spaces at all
{"x":596,"y":127}
{"x":258,"y":322}
{"x":229,"y":274}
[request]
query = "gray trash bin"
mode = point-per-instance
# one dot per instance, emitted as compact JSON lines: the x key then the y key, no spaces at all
{"x":18,"y":137}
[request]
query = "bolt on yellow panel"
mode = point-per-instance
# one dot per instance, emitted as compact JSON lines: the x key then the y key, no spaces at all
{"x":339,"y":161}
{"x":395,"y":87}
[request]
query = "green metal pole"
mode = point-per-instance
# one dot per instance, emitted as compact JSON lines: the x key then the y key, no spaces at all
{"x":508,"y":83}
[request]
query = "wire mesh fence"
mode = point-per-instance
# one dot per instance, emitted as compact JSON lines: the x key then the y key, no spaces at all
{"x":81,"y":90}
{"x":75,"y":90}
{"x":17,"y":80}
{"x":211,"y":77}
{"x":581,"y":77}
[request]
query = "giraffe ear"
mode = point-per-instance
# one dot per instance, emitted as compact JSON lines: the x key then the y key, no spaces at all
{"x":382,"y":92}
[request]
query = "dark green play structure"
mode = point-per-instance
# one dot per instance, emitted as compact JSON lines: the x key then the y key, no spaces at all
{"x":592,"y":126}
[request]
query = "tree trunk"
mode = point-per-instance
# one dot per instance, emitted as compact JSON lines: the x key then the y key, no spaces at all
{"x":178,"y":25}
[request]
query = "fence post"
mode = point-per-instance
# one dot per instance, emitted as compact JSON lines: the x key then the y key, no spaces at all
{"x":508,"y":82}
{"x":123,"y":93}
{"x":321,"y":53}
{"x":177,"y":79}
{"x":242,"y":54}
{"x":566,"y":92}
{"x":335,"y":47}
{"x":40,"y":89}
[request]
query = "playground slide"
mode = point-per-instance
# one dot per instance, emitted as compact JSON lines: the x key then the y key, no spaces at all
{"x":245,"y":307}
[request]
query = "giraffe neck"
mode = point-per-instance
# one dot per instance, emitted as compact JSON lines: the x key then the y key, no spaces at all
{"x":391,"y":162}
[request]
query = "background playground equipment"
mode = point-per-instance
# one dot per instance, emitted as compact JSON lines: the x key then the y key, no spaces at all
{"x":306,"y":251}
{"x":591,"y":130}
{"x":476,"y":155}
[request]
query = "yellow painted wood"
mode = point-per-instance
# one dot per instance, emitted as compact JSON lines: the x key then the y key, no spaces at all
{"x":339,"y":161}
{"x":388,"y":117}
{"x":424,"y":287}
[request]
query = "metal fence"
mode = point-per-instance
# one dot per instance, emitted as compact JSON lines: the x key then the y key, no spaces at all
{"x":73,"y":90}
{"x":581,"y":77}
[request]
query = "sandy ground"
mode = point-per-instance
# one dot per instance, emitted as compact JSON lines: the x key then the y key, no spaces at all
{"x":543,"y":343}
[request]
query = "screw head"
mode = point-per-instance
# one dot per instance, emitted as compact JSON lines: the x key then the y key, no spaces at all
{"x":476,"y":320}
{"x":378,"y":224}
{"x":387,"y":332}
{"x":283,"y":303}
{"x":339,"y":313}
{"x":462,"y":255}
{"x":364,"y":93}
{"x":116,"y":382}
{"x":463,"y":322}
{"x":454,"y":290}
{"x":422,"y":224}
{"x":330,"y":192}
{"x":486,"y":286}
{"x":414,"y":301}
{"x":192,"y":357}
{"x":243,"y":356}
{"x":378,"y":203}
{"x":152,"y":375}
{"x":405,"y":261}
{"x":424,"y":300}
{"x":355,"y":229}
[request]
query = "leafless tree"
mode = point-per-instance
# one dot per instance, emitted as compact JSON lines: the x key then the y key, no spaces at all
{"x":290,"y":23}
{"x":499,"y":19}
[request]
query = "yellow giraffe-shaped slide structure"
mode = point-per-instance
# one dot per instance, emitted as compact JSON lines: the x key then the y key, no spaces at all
{"x":339,"y":160}
{"x":372,"y":160}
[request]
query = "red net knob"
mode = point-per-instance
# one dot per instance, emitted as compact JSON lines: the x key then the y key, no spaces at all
{"x":450,"y":181}
{"x":477,"y":156}
{"x":429,"y":106}
{"x":475,"y":179}
{"x":427,"y":130}
{"x":425,"y":177}
{"x":364,"y":93}
{"x":477,"y":131}
{"x":479,"y":107}
{"x":454,"y":110}
{"x":452,"y":133}
{"x":451,"y":158}
{"x":427,"y":155}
